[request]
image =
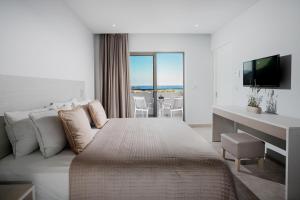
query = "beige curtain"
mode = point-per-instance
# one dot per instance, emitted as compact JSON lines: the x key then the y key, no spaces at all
{"x":112,"y":86}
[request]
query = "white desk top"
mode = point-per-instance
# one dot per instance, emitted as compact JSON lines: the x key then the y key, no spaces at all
{"x":272,"y":119}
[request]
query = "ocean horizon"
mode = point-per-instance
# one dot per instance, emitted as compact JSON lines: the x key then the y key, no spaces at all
{"x":162,"y":87}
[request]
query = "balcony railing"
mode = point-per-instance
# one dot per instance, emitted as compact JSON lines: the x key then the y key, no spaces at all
{"x":160,"y":103}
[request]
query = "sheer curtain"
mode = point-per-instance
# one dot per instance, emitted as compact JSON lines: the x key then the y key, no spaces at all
{"x":112,"y":86}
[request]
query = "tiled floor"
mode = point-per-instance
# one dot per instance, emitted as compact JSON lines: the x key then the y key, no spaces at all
{"x":266,"y":183}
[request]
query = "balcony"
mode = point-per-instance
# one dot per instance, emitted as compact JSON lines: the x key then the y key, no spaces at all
{"x":166,"y":103}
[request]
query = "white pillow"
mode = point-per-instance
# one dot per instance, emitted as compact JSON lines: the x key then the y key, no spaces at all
{"x":63,"y":105}
{"x":80,"y":103}
{"x":12,"y":117}
{"x":49,"y":132}
{"x":21,"y":132}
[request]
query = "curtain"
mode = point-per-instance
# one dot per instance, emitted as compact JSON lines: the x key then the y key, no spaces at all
{"x":112,"y":86}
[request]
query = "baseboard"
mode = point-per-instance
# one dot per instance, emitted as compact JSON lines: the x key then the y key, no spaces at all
{"x":199,"y":125}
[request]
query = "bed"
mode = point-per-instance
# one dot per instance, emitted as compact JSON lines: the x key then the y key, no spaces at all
{"x":127,"y":159}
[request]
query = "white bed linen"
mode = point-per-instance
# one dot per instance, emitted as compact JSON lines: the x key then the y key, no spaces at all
{"x":49,"y":176}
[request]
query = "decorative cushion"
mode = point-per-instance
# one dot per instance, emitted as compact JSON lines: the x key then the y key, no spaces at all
{"x":84,"y":106}
{"x":21,"y":132}
{"x":97,"y":113}
{"x":77,"y":128}
{"x":49,"y":132}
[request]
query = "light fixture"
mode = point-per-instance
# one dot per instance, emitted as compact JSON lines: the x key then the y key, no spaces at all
{"x":196,"y":25}
{"x":114,"y":25}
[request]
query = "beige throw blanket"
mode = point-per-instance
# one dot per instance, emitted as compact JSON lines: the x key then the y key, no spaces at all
{"x":149,"y":159}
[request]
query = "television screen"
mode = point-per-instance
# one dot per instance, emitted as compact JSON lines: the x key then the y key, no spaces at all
{"x":263,"y":72}
{"x":267,"y":71}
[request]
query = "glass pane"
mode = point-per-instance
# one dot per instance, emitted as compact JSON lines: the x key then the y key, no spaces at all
{"x":141,"y":78}
{"x":170,"y":84}
{"x":141,"y":72}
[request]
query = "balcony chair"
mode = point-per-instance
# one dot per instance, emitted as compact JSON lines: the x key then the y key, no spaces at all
{"x":140,"y":105}
{"x":175,"y":106}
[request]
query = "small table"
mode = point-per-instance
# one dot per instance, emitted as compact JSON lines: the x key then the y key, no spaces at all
{"x":17,"y":191}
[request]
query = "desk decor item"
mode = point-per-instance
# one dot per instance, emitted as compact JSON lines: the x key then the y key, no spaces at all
{"x":271,"y":103}
{"x":254,"y":100}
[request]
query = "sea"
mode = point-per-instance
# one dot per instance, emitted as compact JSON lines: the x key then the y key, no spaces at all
{"x":162,"y":87}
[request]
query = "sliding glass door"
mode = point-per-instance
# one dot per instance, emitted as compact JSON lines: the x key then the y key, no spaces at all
{"x":157,"y":84}
{"x":142,"y":85}
{"x":169,"y":81}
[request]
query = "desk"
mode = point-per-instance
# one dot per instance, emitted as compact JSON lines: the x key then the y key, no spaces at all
{"x":281,"y":131}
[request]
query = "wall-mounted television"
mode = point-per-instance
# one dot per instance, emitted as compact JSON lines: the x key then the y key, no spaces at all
{"x":262,"y":72}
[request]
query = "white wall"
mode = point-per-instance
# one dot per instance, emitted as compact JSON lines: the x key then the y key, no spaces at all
{"x":267,"y":28}
{"x":198,"y":68}
{"x":45,"y":39}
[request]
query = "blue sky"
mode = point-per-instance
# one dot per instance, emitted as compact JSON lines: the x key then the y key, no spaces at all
{"x":169,"y":69}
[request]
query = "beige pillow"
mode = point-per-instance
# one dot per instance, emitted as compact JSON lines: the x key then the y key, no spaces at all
{"x":85,"y":107}
{"x":87,"y":112}
{"x":97,"y":113}
{"x":77,"y":128}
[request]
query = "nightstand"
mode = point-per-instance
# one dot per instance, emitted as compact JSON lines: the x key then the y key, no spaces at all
{"x":17,"y":191}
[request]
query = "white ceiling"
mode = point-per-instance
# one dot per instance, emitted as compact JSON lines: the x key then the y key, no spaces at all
{"x":157,"y":16}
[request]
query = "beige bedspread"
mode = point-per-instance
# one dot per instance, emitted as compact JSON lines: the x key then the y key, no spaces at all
{"x":149,"y":159}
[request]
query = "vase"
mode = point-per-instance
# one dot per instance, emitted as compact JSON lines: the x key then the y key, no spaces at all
{"x":256,"y":110}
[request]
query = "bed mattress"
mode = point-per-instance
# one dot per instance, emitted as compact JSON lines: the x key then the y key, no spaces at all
{"x":49,"y":176}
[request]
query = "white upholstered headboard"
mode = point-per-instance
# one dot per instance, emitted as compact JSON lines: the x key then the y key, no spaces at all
{"x":23,"y":93}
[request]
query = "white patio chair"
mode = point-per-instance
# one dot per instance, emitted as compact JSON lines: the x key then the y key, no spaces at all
{"x":166,"y":105}
{"x":175,"y":106}
{"x":140,"y":105}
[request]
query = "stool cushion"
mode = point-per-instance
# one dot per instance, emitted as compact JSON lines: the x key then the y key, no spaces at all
{"x":242,"y":145}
